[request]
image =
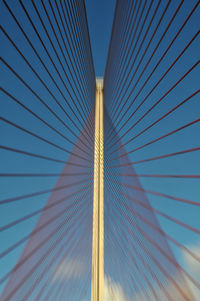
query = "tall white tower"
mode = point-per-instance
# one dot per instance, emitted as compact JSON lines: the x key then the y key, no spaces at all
{"x":97,"y":293}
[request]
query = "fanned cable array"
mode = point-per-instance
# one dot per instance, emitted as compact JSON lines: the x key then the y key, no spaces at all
{"x":151,"y":151}
{"x":47,"y":141}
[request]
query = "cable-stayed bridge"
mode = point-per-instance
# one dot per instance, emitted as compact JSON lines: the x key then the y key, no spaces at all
{"x":100,"y":176}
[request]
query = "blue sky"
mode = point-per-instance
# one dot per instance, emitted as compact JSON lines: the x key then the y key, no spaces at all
{"x":100,"y":18}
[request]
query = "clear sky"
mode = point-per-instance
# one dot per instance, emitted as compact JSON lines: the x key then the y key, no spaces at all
{"x":100,"y":19}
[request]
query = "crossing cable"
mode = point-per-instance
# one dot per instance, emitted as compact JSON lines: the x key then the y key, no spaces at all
{"x":88,"y":37}
{"x":117,"y":224}
{"x":43,"y":102}
{"x":158,"y":101}
{"x":135,"y":45}
{"x":108,"y":61}
{"x":136,"y":27}
{"x":119,"y":30}
{"x":162,"y":117}
{"x":38,"y":175}
{"x":45,"y":269}
{"x":157,"y":139}
{"x":149,"y":268}
{"x":75,"y":52}
{"x":18,"y":265}
{"x":28,"y":216}
{"x":46,"y":31}
{"x":74,"y":20}
{"x":168,"y":196}
{"x":121,"y":54}
{"x":37,"y":193}
{"x":190,"y":150}
{"x":110,"y":242}
{"x":160,"y":176}
{"x":36,"y":32}
{"x":80,"y":77}
{"x":139,"y":270}
{"x":13,"y":292}
{"x":142,"y":290}
{"x":49,"y":279}
{"x":44,"y":288}
{"x":158,"y":120}
{"x":34,"y":232}
{"x":83,"y":292}
{"x":52,"y":27}
{"x":79,"y":23}
{"x":40,"y":99}
{"x":151,"y":209}
{"x":42,"y":120}
{"x":155,"y":261}
{"x":138,"y":51}
{"x":87,"y":275}
{"x":43,"y":209}
{"x":157,"y":229}
{"x":77,"y":108}
{"x":153,"y":243}
{"x":64,"y":292}
{"x":160,"y":249}
{"x":52,"y":249}
{"x":38,"y":156}
{"x":124,"y":35}
{"x":147,"y":47}
{"x":125,"y":252}
{"x":46,"y":50}
{"x":71,"y":248}
{"x":165,"y":52}
{"x":133,"y":187}
{"x":112,"y":46}
{"x":169,"y":24}
{"x":41,"y":138}
{"x":37,"y":75}
{"x":112,"y":239}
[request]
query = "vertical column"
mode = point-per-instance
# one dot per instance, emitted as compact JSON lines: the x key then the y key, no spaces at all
{"x":98,"y":202}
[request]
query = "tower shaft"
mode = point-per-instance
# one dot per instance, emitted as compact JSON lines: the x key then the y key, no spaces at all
{"x":97,"y":293}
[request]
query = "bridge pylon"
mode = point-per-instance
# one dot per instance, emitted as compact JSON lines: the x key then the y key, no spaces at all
{"x":97,"y":287}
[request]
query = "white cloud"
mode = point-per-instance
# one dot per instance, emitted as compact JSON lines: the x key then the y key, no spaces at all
{"x":193,"y":267}
{"x":69,"y":269}
{"x":73,"y":269}
{"x":113,"y":291}
{"x":192,"y":264}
